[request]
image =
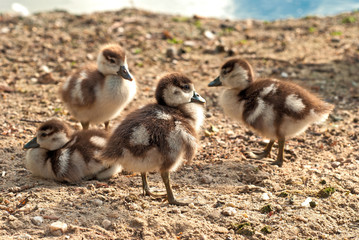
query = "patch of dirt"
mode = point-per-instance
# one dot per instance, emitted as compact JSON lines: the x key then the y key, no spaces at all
{"x":233,"y":197}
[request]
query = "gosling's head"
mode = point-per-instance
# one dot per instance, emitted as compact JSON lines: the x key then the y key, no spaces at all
{"x":112,"y":61}
{"x":176,"y":89}
{"x":51,"y":135}
{"x":235,"y":73}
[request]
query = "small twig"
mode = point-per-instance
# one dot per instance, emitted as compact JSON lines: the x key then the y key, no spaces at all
{"x":50,"y":217}
{"x":22,"y":188}
{"x":31,"y":121}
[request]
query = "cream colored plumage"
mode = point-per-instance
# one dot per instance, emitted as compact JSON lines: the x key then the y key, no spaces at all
{"x":272,"y":108}
{"x":158,"y":137}
{"x":59,"y":153}
{"x":97,"y":94}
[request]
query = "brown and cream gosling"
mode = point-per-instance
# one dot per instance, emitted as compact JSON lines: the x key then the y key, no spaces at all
{"x":274,"y":109}
{"x":158,"y":137}
{"x":60,"y":154}
{"x":97,"y":94}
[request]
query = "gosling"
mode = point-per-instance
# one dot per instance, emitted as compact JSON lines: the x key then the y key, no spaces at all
{"x":60,"y":154}
{"x":274,"y":109}
{"x":97,"y":94}
{"x":159,"y":136}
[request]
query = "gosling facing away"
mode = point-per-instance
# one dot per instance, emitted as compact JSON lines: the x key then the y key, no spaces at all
{"x":274,"y":109}
{"x":97,"y":94}
{"x":158,"y":137}
{"x":59,"y":154}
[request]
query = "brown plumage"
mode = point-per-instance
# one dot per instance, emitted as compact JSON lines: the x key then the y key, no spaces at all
{"x":98,"y":93}
{"x":272,"y":108}
{"x":59,"y":153}
{"x":157,"y":137}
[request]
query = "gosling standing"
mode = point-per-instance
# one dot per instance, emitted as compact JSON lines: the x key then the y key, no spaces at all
{"x":97,"y":94}
{"x":158,"y":137}
{"x":274,"y":109}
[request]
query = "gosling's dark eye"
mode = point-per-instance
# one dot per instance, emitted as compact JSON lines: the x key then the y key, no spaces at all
{"x":112,"y":60}
{"x":124,"y":70}
{"x":226,"y":71}
{"x":185,"y":87}
{"x":43,"y":135}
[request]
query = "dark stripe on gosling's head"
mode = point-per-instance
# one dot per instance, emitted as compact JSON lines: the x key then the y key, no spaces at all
{"x":174,"y":79}
{"x":113,"y":51}
{"x":54,"y":125}
{"x":229,"y":65}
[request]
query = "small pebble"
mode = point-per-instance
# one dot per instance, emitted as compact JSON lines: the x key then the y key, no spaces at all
{"x":335,"y":40}
{"x":230,"y":204}
{"x":90,"y":57}
{"x":133,"y":207}
{"x":230,"y":132}
{"x":206,"y":179}
{"x":191,"y":205}
{"x":106,"y":223}
{"x":189,"y":43}
{"x":97,"y":202}
{"x":284,"y":74}
{"x":37,"y":220}
{"x":229,"y":211}
{"x":335,"y":164}
{"x":12,"y":218}
{"x":170,"y":52}
{"x":25,"y":236}
{"x":58,"y":228}
{"x":203,"y":237}
{"x":306,"y":203}
{"x":45,"y":69}
{"x":209,"y":34}
{"x":220,"y":49}
{"x":265,"y":196}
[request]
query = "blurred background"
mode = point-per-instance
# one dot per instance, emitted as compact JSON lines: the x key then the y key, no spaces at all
{"x":231,"y":9}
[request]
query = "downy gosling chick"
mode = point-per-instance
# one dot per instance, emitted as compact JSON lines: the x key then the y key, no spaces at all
{"x":274,"y":109}
{"x":97,"y":94}
{"x":158,"y":137}
{"x":58,"y":153}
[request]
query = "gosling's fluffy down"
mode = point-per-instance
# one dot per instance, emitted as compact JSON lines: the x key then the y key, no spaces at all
{"x":158,"y":137}
{"x":96,"y":94}
{"x":272,"y":108}
{"x":58,"y":153}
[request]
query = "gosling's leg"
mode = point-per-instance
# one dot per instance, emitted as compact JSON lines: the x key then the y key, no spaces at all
{"x":146,"y":188}
{"x":107,"y":123}
{"x":171,"y":199}
{"x":280,"y":156}
{"x":262,"y":154}
{"x":85,"y":125}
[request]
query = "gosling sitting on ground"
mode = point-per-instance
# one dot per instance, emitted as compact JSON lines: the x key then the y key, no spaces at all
{"x":57,"y":153}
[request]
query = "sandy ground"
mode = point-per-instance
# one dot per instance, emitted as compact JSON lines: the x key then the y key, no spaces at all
{"x":233,"y":197}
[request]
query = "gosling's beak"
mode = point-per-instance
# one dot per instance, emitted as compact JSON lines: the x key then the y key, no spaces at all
{"x":123,"y":72}
{"x":32,"y":144}
{"x":197,"y":98}
{"x":216,"y":82}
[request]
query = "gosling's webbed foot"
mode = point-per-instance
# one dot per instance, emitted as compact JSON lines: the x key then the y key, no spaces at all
{"x":173,"y":201}
{"x":257,"y":154}
{"x":261,"y":154}
{"x":170,"y":197}
{"x":278,"y":162}
{"x":146,"y":188}
{"x":147,"y":192}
